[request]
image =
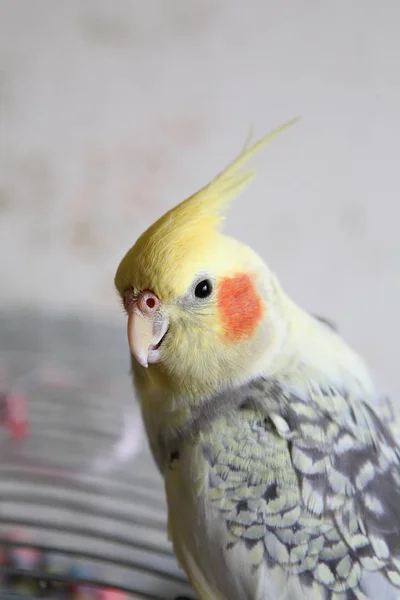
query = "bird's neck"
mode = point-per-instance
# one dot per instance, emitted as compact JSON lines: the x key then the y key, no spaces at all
{"x":314,"y":349}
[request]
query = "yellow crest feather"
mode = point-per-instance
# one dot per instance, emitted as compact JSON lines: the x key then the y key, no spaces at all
{"x":231,"y":180}
{"x":162,"y":248}
{"x":209,"y":200}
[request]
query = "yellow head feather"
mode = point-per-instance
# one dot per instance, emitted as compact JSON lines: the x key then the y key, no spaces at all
{"x":188,"y":231}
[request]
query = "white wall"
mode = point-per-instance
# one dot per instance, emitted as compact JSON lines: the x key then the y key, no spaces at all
{"x":113,"y":111}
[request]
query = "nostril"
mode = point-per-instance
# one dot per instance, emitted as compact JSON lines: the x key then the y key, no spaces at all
{"x":150,"y":302}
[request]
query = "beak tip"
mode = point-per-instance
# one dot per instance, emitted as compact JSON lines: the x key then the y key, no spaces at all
{"x":140,"y":357}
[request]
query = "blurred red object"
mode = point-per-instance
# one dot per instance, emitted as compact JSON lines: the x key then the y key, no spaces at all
{"x":13,"y":415}
{"x":110,"y":594}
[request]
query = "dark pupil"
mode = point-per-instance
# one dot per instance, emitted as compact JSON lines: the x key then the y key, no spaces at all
{"x":203,"y":289}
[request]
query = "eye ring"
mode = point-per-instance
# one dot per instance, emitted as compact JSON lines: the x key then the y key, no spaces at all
{"x":203,"y":289}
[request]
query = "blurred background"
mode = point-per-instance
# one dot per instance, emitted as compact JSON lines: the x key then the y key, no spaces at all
{"x":112,"y":112}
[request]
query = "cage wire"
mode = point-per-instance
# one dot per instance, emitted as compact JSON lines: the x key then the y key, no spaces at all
{"x":82,"y":509}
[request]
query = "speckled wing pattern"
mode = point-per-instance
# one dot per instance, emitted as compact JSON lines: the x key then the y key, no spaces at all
{"x":310,"y":483}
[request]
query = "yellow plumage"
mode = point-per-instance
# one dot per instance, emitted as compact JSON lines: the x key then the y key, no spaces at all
{"x":187,"y":234}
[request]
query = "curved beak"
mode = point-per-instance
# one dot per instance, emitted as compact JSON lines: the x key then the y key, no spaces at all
{"x":146,"y":329}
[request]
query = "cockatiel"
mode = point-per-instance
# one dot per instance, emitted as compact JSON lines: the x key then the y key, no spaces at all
{"x":281,"y":479}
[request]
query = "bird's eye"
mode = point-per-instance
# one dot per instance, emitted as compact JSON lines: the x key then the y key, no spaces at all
{"x":203,"y":289}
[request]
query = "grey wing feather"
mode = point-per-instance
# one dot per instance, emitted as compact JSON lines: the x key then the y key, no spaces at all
{"x":348,"y":465}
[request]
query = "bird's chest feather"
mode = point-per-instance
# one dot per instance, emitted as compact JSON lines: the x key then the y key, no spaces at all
{"x":235,"y":468}
{"x":224,"y":488}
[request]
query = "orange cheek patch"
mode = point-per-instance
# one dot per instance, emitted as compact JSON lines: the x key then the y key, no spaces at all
{"x":239,"y":307}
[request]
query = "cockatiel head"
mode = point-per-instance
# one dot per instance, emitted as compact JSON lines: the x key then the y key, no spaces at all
{"x":201,"y":305}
